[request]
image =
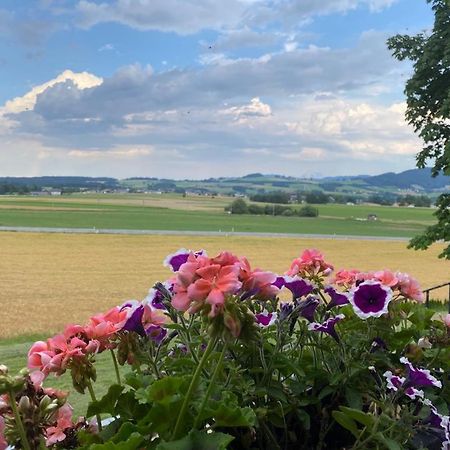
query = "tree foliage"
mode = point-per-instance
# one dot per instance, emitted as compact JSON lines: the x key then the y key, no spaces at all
{"x":428,"y":108}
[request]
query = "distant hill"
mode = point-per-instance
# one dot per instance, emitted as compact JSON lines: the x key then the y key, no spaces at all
{"x":410,"y":178}
{"x":62,"y":182}
{"x":361,"y":186}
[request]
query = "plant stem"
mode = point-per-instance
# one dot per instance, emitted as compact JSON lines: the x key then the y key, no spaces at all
{"x":116,"y":366}
{"x":19,"y":424}
{"x":192,"y":387}
{"x":94,"y":399}
{"x":211,"y":385}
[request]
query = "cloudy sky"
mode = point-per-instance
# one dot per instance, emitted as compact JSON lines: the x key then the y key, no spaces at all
{"x":204,"y":88}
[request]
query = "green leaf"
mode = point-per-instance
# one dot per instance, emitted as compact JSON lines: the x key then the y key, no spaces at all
{"x":389,"y":443}
{"x":353,"y":398}
{"x":197,"y":440}
{"x":163,"y":391}
{"x":107,"y":403}
{"x":227,"y":413}
{"x":346,"y":422}
{"x":133,"y":442}
{"x":358,"y":415}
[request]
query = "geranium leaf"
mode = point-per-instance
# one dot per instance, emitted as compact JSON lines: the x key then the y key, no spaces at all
{"x":197,"y":440}
{"x":107,"y":403}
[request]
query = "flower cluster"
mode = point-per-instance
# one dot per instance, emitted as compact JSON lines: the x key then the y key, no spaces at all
{"x":317,"y":345}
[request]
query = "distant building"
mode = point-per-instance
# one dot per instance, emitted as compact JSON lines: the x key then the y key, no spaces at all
{"x":372,"y":217}
{"x":39,"y":193}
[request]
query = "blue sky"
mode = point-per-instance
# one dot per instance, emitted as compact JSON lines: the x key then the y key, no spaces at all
{"x":204,"y":88}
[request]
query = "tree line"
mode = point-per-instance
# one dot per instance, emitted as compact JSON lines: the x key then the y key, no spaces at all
{"x":240,"y":206}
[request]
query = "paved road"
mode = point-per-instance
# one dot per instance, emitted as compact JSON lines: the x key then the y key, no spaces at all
{"x":197,"y":233}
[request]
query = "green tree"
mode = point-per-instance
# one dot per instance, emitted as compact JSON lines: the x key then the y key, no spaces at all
{"x":239,"y":206}
{"x":428,"y":108}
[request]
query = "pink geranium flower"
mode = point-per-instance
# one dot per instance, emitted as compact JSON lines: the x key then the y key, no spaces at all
{"x":346,"y":278}
{"x":409,"y":287}
{"x":3,"y":443}
{"x":202,"y":280}
{"x":310,"y":263}
{"x":40,"y":357}
{"x":257,"y":282}
{"x":386,"y":277}
{"x":214,"y":282}
{"x":447,"y":320}
{"x":56,"y":433}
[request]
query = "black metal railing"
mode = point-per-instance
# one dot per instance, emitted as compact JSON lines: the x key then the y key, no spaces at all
{"x":427,"y":293}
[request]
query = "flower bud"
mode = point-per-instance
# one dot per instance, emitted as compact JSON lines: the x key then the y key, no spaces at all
{"x":45,"y":401}
{"x":24,"y":404}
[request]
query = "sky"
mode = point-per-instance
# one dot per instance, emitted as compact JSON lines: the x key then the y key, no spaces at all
{"x":204,"y":88}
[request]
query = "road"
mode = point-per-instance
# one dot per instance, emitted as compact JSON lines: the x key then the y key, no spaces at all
{"x":198,"y":233}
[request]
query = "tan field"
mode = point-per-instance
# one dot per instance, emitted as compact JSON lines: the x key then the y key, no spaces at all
{"x":49,"y":280}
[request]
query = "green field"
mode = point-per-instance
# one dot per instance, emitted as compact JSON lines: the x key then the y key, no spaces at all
{"x":13,"y":353}
{"x":140,"y":212}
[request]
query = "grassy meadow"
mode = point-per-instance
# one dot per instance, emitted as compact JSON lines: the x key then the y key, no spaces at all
{"x":173,"y":212}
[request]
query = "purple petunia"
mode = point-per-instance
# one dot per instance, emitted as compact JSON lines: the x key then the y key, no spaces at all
{"x":419,"y":377}
{"x":279,"y":282}
{"x":265,"y":318}
{"x":337,"y":298}
{"x":327,"y":326}
{"x":156,"y":333}
{"x":307,"y":307}
{"x":177,"y":259}
{"x":135,"y":311}
{"x":286,"y":310}
{"x":298,"y":286}
{"x":370,"y":299}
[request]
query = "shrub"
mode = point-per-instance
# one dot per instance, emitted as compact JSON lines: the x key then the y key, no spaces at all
{"x":308,"y":211}
{"x":239,"y":206}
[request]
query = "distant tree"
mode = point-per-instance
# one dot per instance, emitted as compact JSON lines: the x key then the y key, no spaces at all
{"x":255,"y":209}
{"x":428,"y":108}
{"x":239,"y":206}
{"x":308,"y":211}
{"x":271,"y":197}
{"x":316,"y":197}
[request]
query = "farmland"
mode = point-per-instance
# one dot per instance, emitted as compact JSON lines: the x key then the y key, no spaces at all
{"x":173,"y":212}
{"x":49,"y":280}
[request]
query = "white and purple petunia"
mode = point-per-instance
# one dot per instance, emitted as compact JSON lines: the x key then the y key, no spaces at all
{"x":177,"y":259}
{"x":370,"y":299}
{"x":327,"y":326}
{"x":419,"y":377}
{"x":265,"y":319}
{"x":395,"y":382}
{"x":298,"y":286}
{"x":135,"y":311}
{"x":156,"y":298}
{"x":437,"y":420}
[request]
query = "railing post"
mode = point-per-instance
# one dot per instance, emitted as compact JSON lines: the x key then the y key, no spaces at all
{"x":448,"y":297}
{"x":427,"y":301}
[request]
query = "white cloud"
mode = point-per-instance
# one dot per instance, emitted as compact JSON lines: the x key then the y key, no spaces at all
{"x":106,"y":48}
{"x":256,"y":108}
{"x":122,"y":152}
{"x":82,"y":80}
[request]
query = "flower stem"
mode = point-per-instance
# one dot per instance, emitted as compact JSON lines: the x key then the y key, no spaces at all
{"x":211,"y":385}
{"x":116,"y":366}
{"x":192,"y":386}
{"x":94,"y":399}
{"x":18,"y":420}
